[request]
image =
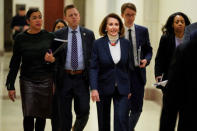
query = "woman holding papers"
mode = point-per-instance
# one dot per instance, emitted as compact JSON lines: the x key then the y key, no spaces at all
{"x":172,"y":36}
{"x":29,"y":55}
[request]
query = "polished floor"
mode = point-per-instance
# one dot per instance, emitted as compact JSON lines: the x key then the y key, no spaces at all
{"x":11,"y":113}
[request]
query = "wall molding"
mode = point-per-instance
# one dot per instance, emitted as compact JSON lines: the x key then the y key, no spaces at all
{"x":154,"y":95}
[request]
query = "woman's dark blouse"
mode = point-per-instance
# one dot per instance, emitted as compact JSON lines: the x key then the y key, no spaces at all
{"x":28,"y":53}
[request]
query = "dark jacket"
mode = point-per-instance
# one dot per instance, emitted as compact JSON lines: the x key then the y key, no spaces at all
{"x":104,"y":73}
{"x":188,"y":31}
{"x":88,"y":38}
{"x":181,"y":89}
{"x":138,"y":76}
{"x":28,"y":56}
{"x":164,"y":55}
{"x":143,"y":42}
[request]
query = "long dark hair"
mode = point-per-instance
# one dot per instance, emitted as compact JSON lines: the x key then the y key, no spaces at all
{"x":57,"y":21}
{"x":167,"y":28}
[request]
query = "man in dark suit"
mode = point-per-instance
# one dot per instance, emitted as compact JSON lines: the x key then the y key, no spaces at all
{"x":181,"y":89}
{"x":188,"y":31}
{"x":72,"y":65}
{"x":142,"y":52}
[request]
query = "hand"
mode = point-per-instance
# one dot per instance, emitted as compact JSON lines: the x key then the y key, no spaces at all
{"x":17,"y":28}
{"x":25,"y":27}
{"x":143,"y":63}
{"x":129,"y":95}
{"x":158,"y":78}
{"x":12,"y":95}
{"x":95,"y":95}
{"x":49,"y":57}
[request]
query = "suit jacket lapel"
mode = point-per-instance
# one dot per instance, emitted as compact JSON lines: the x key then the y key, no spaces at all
{"x":66,"y":38}
{"x":122,"y":50}
{"x":106,"y":48}
{"x":83,"y":35}
{"x":137,"y":35}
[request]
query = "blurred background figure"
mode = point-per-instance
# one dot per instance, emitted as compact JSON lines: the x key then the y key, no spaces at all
{"x":181,"y":90}
{"x":19,"y":23}
{"x":59,"y":24}
{"x":188,"y":31}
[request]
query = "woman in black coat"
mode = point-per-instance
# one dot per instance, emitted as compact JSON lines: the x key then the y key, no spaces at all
{"x":172,"y":36}
{"x":173,"y":32}
{"x":29,"y":55}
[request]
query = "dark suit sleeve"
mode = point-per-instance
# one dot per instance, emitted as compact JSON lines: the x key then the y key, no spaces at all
{"x":147,"y":49}
{"x":59,"y":57}
{"x":91,"y":39}
{"x":94,"y":68}
{"x":131,"y":64}
{"x":160,"y":57}
{"x":88,"y":40}
{"x":186,"y":36}
{"x":14,"y":65}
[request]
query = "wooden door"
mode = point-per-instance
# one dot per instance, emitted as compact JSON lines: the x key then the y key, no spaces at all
{"x":8,"y":43}
{"x":53,"y":10}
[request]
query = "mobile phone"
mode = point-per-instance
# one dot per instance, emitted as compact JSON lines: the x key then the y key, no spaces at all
{"x":49,"y":51}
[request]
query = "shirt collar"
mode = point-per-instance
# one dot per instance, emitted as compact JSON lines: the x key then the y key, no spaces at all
{"x":70,"y":29}
{"x":132,"y":28}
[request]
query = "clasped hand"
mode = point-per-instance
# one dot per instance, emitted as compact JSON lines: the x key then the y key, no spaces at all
{"x":49,"y":57}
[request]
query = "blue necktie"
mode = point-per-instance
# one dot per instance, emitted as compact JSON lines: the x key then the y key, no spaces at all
{"x":74,"y":52}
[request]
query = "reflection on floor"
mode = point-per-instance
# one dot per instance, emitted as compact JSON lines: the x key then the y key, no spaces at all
{"x":11,"y":112}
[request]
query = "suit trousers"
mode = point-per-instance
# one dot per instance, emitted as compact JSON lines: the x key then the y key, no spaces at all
{"x":120,"y":112}
{"x":136,"y":100}
{"x":75,"y":87}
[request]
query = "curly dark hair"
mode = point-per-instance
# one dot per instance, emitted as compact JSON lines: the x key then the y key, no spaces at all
{"x":167,"y":28}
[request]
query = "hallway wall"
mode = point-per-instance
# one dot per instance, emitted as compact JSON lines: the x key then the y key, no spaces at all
{"x":1,"y":27}
{"x":97,"y":10}
{"x":29,"y":4}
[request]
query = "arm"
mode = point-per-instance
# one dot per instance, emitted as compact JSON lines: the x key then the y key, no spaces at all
{"x":146,"y":50}
{"x":14,"y":67}
{"x":160,"y":57}
{"x":93,"y":74}
{"x":186,"y":36}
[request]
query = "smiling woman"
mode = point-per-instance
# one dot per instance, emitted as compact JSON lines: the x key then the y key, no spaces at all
{"x":109,"y":77}
{"x":36,"y":82}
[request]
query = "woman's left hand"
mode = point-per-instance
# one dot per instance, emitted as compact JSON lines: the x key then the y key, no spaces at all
{"x":49,"y":57}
